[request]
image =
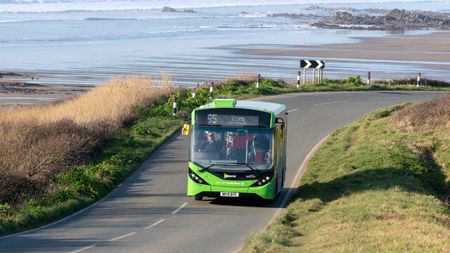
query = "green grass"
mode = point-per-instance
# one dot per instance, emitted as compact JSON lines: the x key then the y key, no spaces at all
{"x":124,"y":152}
{"x":367,"y":189}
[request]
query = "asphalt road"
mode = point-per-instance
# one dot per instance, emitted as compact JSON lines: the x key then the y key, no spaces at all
{"x":149,"y":212}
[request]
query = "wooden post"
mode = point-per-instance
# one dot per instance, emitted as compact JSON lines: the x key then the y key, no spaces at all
{"x":304,"y":76}
{"x":314,"y":75}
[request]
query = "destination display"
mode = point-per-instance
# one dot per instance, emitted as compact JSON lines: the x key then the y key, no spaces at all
{"x":232,"y":118}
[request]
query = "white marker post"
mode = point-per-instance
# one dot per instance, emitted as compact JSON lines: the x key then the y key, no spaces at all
{"x":299,"y":73}
{"x":369,"y":75}
{"x":419,"y":75}
{"x":193,"y":92}
{"x":211,"y":91}
{"x":258,"y":79}
{"x":174,"y":106}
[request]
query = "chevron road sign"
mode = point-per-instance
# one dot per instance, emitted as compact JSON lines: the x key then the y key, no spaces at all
{"x":317,"y":67}
{"x":312,"y":64}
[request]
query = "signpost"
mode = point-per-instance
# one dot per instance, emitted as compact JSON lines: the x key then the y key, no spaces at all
{"x":315,"y":65}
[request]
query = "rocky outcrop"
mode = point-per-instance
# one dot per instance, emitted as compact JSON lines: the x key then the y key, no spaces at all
{"x":392,"y":20}
{"x":293,"y":15}
{"x":170,"y":9}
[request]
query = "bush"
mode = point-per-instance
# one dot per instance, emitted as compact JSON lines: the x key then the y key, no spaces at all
{"x":354,"y":81}
{"x":31,"y":154}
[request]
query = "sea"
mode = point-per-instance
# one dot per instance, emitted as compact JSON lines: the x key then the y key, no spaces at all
{"x":84,"y":43}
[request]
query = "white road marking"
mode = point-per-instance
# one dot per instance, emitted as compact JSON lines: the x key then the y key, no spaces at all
{"x":330,"y":103}
{"x":299,"y":174}
{"x":121,"y":237}
{"x":293,"y":110}
{"x":179,"y":208}
{"x":83,"y":249}
{"x":155,"y":224}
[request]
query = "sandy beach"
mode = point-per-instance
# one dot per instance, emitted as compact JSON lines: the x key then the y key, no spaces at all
{"x":23,"y":93}
{"x":430,"y":50}
{"x":427,"y":49}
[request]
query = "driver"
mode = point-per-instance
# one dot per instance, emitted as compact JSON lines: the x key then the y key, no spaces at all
{"x":210,"y":144}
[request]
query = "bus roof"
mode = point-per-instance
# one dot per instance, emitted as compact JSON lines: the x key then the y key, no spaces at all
{"x":246,"y":104}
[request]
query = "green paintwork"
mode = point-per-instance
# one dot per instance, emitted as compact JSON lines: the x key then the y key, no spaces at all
{"x":224,"y":103}
{"x":220,"y":185}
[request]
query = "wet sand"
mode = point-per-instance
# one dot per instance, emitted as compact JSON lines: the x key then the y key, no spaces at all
{"x":19,"y":93}
{"x":416,"y":53}
{"x":429,"y":49}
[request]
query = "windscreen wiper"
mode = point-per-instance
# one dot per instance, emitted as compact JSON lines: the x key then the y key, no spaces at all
{"x":230,"y":164}
{"x":248,"y":165}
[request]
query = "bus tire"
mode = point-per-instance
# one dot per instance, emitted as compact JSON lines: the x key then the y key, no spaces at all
{"x":198,"y":197}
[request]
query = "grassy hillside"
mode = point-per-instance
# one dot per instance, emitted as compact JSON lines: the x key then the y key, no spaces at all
{"x":57,"y":158}
{"x":380,"y":184}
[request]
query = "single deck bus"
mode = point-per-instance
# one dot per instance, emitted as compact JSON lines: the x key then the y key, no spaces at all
{"x":237,"y":149}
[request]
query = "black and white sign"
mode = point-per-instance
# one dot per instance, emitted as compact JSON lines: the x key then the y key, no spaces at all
{"x":312,"y":64}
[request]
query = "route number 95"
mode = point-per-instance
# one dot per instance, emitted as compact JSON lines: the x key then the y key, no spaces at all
{"x":212,"y":119}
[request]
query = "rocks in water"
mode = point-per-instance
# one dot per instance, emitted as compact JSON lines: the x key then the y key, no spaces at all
{"x":393,"y":20}
{"x":170,"y":9}
{"x":292,"y":15}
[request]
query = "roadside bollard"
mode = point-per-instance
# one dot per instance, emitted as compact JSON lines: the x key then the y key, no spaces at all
{"x":258,"y":78}
{"x":419,"y":75}
{"x":369,"y":76}
{"x":211,"y":91}
{"x":193,"y":92}
{"x":174,"y":106}
{"x":299,"y":73}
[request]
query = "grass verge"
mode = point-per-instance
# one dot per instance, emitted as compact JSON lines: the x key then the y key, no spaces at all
{"x":380,"y":184}
{"x":76,"y":152}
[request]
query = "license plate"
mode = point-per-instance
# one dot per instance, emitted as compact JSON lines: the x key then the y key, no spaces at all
{"x":229,"y":194}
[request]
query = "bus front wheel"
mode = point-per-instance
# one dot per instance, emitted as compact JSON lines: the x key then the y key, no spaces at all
{"x":198,"y":197}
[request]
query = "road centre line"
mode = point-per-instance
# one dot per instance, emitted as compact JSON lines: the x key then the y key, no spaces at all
{"x":179,"y":208}
{"x":155,"y":224}
{"x":121,"y":237}
{"x":83,"y":249}
{"x":330,"y":103}
{"x":293,"y":110}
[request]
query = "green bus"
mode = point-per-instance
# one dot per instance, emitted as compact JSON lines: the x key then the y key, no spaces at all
{"x":237,"y":149}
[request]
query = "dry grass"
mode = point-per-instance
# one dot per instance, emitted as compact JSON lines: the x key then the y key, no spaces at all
{"x":430,"y":115}
{"x":112,"y":102}
{"x":38,"y":142}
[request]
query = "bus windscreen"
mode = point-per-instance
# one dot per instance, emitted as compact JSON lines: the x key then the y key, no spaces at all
{"x":219,"y":147}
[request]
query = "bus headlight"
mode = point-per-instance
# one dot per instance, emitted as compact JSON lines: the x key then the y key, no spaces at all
{"x":263,"y":181}
{"x":196,"y":177}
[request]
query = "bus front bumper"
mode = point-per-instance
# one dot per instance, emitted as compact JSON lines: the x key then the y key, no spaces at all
{"x":265,"y":192}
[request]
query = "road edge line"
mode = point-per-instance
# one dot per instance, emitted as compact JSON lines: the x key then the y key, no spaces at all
{"x":298,"y":176}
